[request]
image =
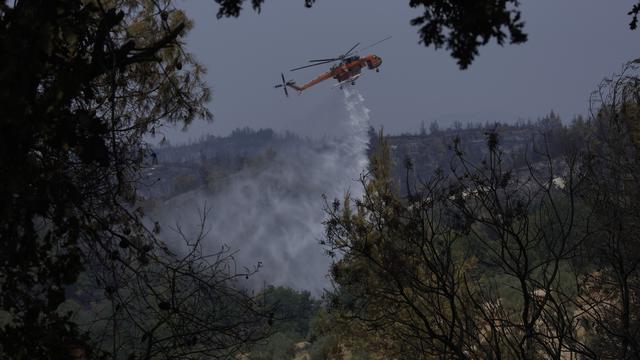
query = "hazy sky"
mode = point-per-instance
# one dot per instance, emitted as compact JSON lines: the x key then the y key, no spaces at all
{"x":572,"y":46}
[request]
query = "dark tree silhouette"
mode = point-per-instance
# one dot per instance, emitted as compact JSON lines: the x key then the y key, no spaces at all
{"x":462,"y":27}
{"x":471,"y":265}
{"x":83,"y":82}
{"x":510,"y":255}
{"x":611,"y":296}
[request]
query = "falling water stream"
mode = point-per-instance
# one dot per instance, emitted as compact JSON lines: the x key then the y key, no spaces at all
{"x":275,"y":215}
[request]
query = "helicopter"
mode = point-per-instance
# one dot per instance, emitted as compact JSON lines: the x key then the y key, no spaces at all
{"x":347,"y":70}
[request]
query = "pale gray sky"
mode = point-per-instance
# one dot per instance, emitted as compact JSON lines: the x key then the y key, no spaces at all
{"x":572,"y":45}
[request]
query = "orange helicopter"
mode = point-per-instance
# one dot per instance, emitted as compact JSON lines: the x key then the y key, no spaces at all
{"x":346,"y":71}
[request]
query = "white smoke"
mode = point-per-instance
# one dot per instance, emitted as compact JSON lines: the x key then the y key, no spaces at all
{"x":274,"y":215}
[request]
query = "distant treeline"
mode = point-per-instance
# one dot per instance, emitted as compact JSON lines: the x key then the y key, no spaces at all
{"x":184,"y":167}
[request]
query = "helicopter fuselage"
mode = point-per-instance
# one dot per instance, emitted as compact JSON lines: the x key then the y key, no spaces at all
{"x":349,"y":68}
{"x":352,"y":66}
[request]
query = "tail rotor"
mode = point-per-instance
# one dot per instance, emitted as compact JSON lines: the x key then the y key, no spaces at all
{"x":284,"y":84}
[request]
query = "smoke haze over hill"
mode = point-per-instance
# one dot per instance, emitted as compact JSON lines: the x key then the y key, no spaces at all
{"x":273,"y":213}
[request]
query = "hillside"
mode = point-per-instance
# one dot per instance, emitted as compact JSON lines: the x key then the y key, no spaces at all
{"x":215,"y":160}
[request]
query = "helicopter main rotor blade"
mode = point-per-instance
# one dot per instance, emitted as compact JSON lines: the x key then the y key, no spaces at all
{"x":350,"y":50}
{"x":376,"y":43}
{"x":327,"y":60}
{"x":306,"y":66}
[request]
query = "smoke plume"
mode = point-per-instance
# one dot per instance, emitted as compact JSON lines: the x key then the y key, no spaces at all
{"x":274,"y":215}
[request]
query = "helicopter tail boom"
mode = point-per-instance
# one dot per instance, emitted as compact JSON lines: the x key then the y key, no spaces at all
{"x":294,"y":86}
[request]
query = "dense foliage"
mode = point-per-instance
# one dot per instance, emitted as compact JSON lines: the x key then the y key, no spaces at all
{"x":502,"y":257}
{"x":290,"y":321}
{"x":83,"y":83}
